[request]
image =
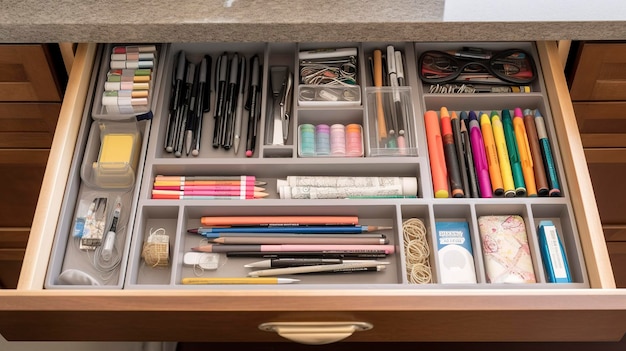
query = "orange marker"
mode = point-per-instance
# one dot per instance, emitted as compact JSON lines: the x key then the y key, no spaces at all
{"x":524,"y":152}
{"x":492,"y":155}
{"x":438,"y":168}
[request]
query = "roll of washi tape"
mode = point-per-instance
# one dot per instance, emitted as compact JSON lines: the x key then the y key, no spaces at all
{"x":307,"y":140}
{"x":354,"y":140}
{"x":338,"y":140}
{"x":322,"y":139}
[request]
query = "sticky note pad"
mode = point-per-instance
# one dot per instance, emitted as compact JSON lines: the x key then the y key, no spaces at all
{"x":117,"y":148}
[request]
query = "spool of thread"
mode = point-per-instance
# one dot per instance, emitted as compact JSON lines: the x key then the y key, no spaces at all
{"x":338,"y":140}
{"x":354,"y":140}
{"x":307,"y":140}
{"x":322,"y":139}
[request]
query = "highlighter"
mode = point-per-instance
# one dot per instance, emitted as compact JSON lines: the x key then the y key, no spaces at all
{"x":492,"y":156}
{"x":553,"y":254}
{"x":524,"y":152}
{"x":511,"y":146}
{"x":480,"y":159}
{"x":535,"y":150}
{"x":452,"y":162}
{"x":503,"y":155}
{"x":548,"y":160}
{"x":435,"y":152}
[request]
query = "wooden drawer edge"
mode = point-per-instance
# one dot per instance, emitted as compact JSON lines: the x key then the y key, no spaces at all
{"x":576,"y":171}
{"x":56,"y":175}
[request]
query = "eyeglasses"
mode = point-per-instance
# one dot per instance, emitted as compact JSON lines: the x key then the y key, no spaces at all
{"x":512,"y":66}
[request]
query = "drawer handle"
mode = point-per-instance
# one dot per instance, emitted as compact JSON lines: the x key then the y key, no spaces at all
{"x":315,"y":333}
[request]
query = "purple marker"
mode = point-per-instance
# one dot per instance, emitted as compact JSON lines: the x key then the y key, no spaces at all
{"x":480,"y":158}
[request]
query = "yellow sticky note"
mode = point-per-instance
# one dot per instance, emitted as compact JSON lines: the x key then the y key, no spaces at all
{"x":117,"y":148}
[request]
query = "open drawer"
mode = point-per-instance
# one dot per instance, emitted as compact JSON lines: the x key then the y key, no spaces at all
{"x":160,"y":308}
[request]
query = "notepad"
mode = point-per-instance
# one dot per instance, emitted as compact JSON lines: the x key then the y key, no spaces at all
{"x":117,"y":148}
{"x":505,"y":249}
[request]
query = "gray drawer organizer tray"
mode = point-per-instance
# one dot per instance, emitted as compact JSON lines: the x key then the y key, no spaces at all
{"x":271,"y":162}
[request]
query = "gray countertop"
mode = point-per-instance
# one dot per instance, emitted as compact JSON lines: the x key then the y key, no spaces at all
{"x":294,"y":20}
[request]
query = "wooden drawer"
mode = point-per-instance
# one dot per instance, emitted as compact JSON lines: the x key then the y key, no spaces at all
{"x":600,"y":73}
{"x":607,"y":168}
{"x":25,"y":74}
{"x":617,"y":252}
{"x":232,"y":314}
{"x":28,"y":125}
{"x":22,"y":171}
{"x":12,"y":247}
{"x":601,"y":124}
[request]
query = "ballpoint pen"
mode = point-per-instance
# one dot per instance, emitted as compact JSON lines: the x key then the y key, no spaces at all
{"x":452,"y":164}
{"x":393,"y":83}
{"x":495,"y":175}
{"x":221,"y":71}
{"x":480,"y":159}
{"x":232,"y":94}
{"x":194,"y":113}
{"x":512,"y":149}
{"x":459,"y":144}
{"x":469,"y":156}
{"x":285,"y":106}
{"x":251,"y":105}
{"x":177,"y":95}
{"x":184,"y":112}
{"x":524,"y":152}
{"x":243,"y":78}
{"x":203,"y":97}
{"x":366,"y":266}
{"x":503,"y":155}
{"x":541,"y":180}
{"x":548,"y":160}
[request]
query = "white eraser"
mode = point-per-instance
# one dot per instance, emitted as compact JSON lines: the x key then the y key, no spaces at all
{"x":204,"y":260}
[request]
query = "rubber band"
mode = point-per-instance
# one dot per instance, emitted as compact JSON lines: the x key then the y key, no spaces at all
{"x":417,"y":251}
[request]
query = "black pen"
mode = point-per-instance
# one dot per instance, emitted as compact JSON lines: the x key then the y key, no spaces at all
{"x":221,"y":71}
{"x":201,"y":103}
{"x":177,"y":91}
{"x":182,"y":123}
{"x":252,"y":106}
{"x":459,"y":144}
{"x":231,"y":103}
{"x":469,"y":157}
{"x":299,"y":262}
{"x":401,"y":111}
{"x":192,"y":115}
{"x":243,"y":76}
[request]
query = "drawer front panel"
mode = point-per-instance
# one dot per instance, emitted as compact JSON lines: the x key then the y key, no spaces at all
{"x":607,"y":168}
{"x":601,"y":124}
{"x":25,"y":74}
{"x":602,"y":71}
{"x":22,"y":171}
{"x":28,"y":125}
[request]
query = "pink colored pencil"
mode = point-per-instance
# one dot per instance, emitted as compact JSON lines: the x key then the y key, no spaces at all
{"x":244,"y":194}
{"x":247,"y":188}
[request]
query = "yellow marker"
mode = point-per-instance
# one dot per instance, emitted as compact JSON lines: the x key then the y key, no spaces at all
{"x":492,"y":155}
{"x":524,"y":153}
{"x":503,"y":155}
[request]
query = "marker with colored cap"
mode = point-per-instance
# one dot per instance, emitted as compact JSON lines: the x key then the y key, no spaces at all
{"x":480,"y":159}
{"x":511,"y":146}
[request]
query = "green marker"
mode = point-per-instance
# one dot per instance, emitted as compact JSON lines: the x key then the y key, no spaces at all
{"x":511,"y":146}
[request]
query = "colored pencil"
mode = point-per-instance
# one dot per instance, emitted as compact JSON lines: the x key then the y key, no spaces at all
{"x":389,"y":249}
{"x":262,"y":240}
{"x":278,"y":220}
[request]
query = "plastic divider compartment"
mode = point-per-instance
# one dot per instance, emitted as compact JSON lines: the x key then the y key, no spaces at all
{"x":563,"y":218}
{"x":158,"y":72}
{"x":194,"y":53}
{"x":424,"y":213}
{"x":329,"y":116}
{"x":150,"y":219}
{"x":383,"y":215}
{"x":536,"y":86}
{"x":64,"y":253}
{"x":457,"y":213}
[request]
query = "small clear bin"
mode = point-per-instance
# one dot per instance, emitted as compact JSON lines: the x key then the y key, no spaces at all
{"x":390,"y":121}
